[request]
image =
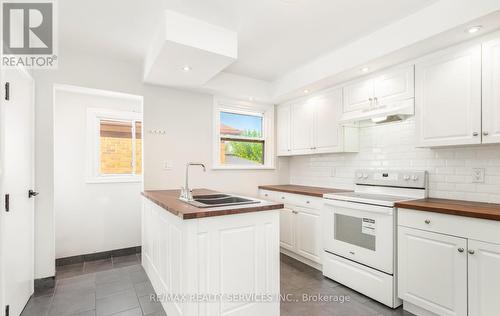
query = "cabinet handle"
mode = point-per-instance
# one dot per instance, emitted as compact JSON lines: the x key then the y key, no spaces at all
{"x":471,"y":252}
{"x":295,"y":212}
{"x":427,"y":221}
{"x":486,"y":133}
{"x":308,"y":202}
{"x":475,"y":134}
{"x":460,"y":250}
{"x":375,"y":100}
{"x":282,"y":197}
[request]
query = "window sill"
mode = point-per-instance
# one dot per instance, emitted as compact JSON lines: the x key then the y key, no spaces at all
{"x":218,"y":167}
{"x":128,"y":179}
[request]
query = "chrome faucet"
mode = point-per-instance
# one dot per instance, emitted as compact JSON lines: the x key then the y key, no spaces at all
{"x":186,"y":192}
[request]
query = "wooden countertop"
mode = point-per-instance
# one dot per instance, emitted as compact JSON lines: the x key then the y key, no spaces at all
{"x":454,"y":207}
{"x":169,"y":200}
{"x":302,"y":189}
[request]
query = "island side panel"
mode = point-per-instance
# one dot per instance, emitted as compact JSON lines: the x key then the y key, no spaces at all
{"x":233,"y":254}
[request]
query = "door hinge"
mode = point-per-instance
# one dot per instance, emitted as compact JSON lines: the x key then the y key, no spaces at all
{"x":7,"y":202}
{"x":7,"y":91}
{"x":7,"y":310}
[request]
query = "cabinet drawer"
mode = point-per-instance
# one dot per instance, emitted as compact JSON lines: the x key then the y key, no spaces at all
{"x":467,"y":227}
{"x":292,"y":199}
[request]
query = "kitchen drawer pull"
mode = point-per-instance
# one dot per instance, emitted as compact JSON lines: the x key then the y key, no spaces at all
{"x":475,"y":134}
{"x":471,"y":252}
{"x":308,"y":202}
{"x":295,"y":212}
{"x":282,"y":197}
{"x":460,"y":250}
{"x":427,"y":221}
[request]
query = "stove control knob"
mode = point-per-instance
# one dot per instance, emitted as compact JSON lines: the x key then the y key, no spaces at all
{"x":407,"y":177}
{"x":414,"y":178}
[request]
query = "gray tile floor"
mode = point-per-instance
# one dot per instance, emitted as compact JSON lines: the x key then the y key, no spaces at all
{"x":120,"y":287}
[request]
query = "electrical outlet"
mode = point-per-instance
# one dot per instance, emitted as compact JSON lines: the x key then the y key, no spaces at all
{"x":168,"y":165}
{"x":477,"y":175}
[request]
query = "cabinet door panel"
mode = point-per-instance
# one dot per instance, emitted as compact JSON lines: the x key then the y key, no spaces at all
{"x":491,"y":92}
{"x":394,"y":86}
{"x":302,"y":126}
{"x":432,"y":271}
{"x":327,"y":132}
{"x":283,"y":130}
{"x":287,"y":229}
{"x":448,"y":97}
{"x":357,"y":95}
{"x":308,"y":227}
{"x":484,"y":279}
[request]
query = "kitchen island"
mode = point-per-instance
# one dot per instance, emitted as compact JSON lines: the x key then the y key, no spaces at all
{"x":211,"y":261}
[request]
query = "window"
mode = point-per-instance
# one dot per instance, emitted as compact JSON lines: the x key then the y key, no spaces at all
{"x":242,"y":137}
{"x":116,"y":146}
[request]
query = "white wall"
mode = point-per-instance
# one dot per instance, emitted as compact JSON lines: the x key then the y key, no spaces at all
{"x":89,"y":217}
{"x":392,"y":146}
{"x":185,"y":116}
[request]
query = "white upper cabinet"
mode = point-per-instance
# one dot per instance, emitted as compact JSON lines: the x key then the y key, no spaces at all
{"x":311,"y":125}
{"x":394,"y":86}
{"x":379,"y":91}
{"x":448,"y":97}
{"x":302,"y":126}
{"x":491,"y":92}
{"x":358,"y":95}
{"x":327,"y":132}
{"x":283,"y":130}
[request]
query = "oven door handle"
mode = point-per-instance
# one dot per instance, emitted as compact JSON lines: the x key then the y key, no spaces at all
{"x":367,"y":208}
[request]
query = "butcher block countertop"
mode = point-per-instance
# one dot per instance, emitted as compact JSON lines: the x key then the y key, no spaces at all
{"x":454,"y":207}
{"x":301,"y":189}
{"x":169,"y":200}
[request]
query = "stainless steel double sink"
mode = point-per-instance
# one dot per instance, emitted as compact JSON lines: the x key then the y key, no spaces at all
{"x":218,"y":200}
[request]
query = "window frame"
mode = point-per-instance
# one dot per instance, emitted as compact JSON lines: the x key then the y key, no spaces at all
{"x":245,"y":108}
{"x":94,"y":118}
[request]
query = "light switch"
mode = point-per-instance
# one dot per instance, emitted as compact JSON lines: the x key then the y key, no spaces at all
{"x":477,"y":175}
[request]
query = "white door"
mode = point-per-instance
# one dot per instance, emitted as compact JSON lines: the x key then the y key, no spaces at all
{"x":491,"y":92}
{"x":327,"y":131}
{"x":394,"y":86}
{"x":283,"y":130}
{"x":484,"y":278}
{"x":17,"y":152}
{"x":448,"y":97}
{"x":358,"y":95}
{"x":433,"y":271}
{"x":287,"y":229}
{"x":302,"y":115}
{"x":308,"y":234}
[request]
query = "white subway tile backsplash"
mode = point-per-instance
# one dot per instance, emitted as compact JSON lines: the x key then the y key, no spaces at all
{"x":392,"y":146}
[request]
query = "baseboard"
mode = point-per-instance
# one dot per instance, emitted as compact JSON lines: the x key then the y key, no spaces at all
{"x":43,"y":284}
{"x":98,"y":256}
{"x":297,"y":257}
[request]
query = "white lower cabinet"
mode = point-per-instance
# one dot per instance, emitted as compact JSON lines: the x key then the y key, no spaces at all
{"x":432,"y":271}
{"x":484,"y":278}
{"x":308,"y":230}
{"x":287,"y":229}
{"x":448,"y":265}
{"x":300,"y":225}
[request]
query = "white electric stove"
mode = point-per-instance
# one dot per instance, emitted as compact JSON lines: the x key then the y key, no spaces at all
{"x":359,"y":233}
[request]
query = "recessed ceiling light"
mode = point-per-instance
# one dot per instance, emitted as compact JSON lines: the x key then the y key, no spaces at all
{"x":474,"y":29}
{"x":306,"y":91}
{"x":186,"y":68}
{"x":365,"y":69}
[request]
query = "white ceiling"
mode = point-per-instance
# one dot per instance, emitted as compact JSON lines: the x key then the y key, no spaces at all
{"x":275,"y":36}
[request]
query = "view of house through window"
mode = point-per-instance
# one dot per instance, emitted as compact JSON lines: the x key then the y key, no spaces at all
{"x":120,"y":147}
{"x":241,"y":139}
